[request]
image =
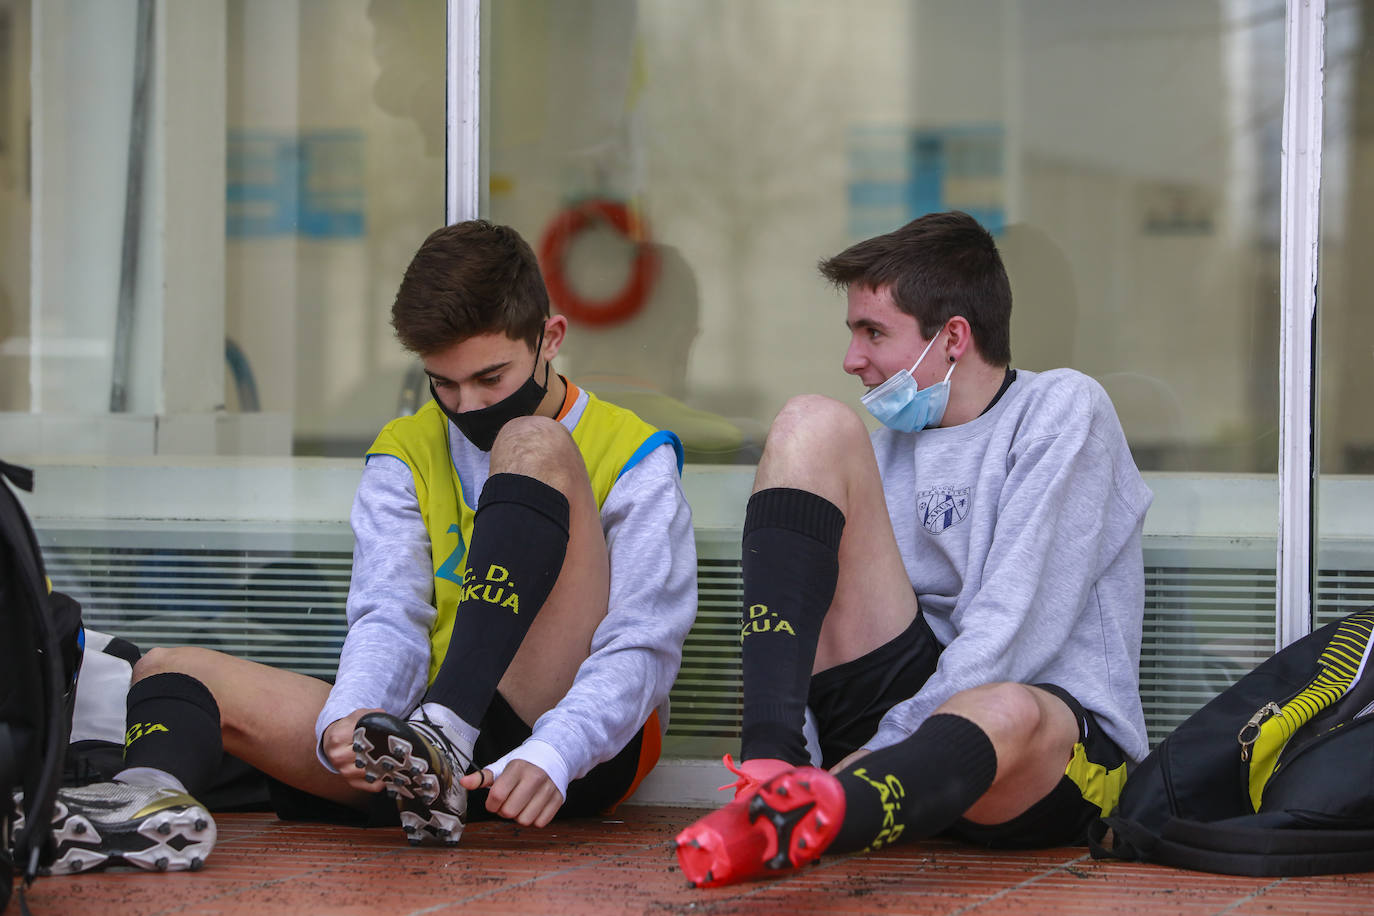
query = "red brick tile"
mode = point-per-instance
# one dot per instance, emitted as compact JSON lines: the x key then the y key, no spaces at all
{"x":625,"y":864}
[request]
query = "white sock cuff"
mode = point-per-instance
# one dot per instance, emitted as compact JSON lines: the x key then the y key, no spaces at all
{"x":459,"y":732}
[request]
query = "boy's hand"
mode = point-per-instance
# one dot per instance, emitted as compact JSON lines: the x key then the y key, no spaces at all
{"x":337,"y":743}
{"x":523,"y":793}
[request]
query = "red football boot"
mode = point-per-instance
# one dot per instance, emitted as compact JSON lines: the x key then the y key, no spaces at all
{"x":750,"y":774}
{"x":786,"y":822}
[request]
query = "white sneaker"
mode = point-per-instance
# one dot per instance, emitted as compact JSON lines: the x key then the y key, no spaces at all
{"x":151,"y":827}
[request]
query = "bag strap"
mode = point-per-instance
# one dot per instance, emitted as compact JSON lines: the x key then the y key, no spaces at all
{"x":1236,"y":848}
{"x":1129,"y":841}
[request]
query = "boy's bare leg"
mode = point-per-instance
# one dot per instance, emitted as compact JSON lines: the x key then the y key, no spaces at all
{"x":560,"y":637}
{"x":820,"y":445}
{"x":267,"y":716}
{"x":822,"y":563}
{"x":1032,"y":734}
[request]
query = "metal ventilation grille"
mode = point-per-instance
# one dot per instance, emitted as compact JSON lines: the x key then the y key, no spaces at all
{"x":282,"y":607}
{"x":281,"y":602}
{"x":1204,"y":628}
{"x":1343,"y":591}
{"x":706,"y":697}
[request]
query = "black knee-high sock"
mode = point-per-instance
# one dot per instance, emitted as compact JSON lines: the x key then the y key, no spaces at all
{"x":917,"y":787}
{"x":173,"y":725}
{"x":519,"y":540}
{"x":790,"y":555}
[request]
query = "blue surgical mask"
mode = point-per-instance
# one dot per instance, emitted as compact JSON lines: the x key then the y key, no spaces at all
{"x":900,"y":404}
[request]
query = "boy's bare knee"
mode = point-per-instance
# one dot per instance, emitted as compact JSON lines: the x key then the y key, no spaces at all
{"x":538,"y":447}
{"x":1007,"y":712}
{"x":815,"y":415}
{"x":154,"y":661}
{"x":179,"y":659}
{"x":812,"y":424}
{"x":1027,"y":727}
{"x":818,"y":444}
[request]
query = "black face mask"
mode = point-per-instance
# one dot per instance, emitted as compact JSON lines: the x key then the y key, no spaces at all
{"x":481,"y":426}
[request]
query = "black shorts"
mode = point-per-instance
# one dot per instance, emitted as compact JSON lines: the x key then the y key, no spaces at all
{"x":502,"y":731}
{"x":849,"y":700}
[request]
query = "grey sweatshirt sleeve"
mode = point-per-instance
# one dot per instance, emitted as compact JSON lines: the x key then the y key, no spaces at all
{"x":637,"y":649}
{"x":385,"y":656}
{"x":1068,"y":513}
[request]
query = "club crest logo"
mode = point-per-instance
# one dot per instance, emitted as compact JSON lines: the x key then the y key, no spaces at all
{"x":942,"y":508}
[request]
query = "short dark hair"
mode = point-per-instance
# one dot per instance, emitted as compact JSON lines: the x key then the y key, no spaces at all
{"x":470,"y":278}
{"x":937,"y":266}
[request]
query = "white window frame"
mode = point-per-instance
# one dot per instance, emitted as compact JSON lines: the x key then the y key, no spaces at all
{"x":1300,"y":209}
{"x":464,"y":164}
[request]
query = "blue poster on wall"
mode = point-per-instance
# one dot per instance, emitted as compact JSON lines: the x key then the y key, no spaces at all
{"x":899,"y":173}
{"x":331,"y":184}
{"x":309,"y":184}
{"x":262,"y":181}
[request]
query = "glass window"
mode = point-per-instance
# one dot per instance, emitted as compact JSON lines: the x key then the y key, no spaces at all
{"x":335,"y":175}
{"x":222,"y":200}
{"x":1126,"y":156}
{"x":216,"y":201}
{"x":196,"y":275}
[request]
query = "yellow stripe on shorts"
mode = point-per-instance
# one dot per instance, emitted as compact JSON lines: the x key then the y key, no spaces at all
{"x":1099,"y":785}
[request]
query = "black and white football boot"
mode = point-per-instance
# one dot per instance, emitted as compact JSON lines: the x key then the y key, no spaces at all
{"x":420,"y":767}
{"x":110,"y":823}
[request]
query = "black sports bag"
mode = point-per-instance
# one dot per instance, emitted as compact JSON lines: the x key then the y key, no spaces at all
{"x":1275,"y":776}
{"x":40,"y":634}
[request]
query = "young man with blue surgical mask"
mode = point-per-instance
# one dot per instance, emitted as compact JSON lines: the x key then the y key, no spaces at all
{"x":942,"y":620}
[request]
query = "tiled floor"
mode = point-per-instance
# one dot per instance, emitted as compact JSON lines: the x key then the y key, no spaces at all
{"x":262,"y":866}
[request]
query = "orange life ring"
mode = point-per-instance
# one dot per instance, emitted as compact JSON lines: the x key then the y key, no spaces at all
{"x":553,"y":246}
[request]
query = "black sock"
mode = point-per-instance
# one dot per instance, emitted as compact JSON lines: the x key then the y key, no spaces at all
{"x":173,"y":725}
{"x":519,"y":540}
{"x":917,"y":787}
{"x":790,"y":555}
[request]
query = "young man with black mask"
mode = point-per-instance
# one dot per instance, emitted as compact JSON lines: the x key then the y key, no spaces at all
{"x":945,"y":614}
{"x":524,"y":576}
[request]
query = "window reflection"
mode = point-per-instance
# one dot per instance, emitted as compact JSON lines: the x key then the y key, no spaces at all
{"x":1136,"y":208}
{"x":335,"y":138}
{"x":1126,"y":156}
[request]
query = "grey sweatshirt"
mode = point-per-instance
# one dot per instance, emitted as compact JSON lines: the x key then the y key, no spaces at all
{"x":636,"y":650}
{"x":1021,"y":534}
